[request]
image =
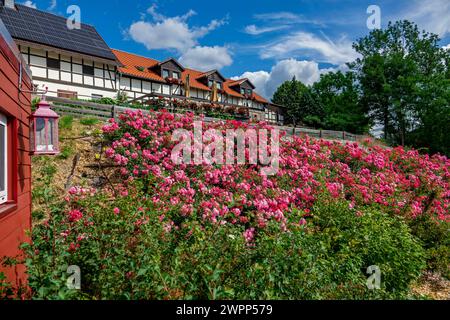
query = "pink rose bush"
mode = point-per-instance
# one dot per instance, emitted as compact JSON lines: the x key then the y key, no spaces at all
{"x":161,"y":230}
{"x":399,"y":181}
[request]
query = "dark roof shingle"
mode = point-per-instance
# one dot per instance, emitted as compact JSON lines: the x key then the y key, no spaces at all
{"x":45,"y":28}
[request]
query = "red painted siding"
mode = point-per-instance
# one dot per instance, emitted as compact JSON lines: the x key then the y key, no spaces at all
{"x":15,"y":216}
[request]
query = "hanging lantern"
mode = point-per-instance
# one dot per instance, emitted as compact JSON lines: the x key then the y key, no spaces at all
{"x":44,"y":130}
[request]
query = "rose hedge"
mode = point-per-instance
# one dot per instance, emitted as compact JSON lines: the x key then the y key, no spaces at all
{"x":171,"y":231}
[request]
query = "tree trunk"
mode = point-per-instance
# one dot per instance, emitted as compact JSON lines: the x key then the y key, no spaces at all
{"x":386,"y":123}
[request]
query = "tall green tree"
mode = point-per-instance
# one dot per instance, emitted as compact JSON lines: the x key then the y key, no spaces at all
{"x":337,"y":93}
{"x":404,"y":81}
{"x":302,"y":108}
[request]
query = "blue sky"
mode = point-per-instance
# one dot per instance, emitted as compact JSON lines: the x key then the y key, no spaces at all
{"x":268,"y":41}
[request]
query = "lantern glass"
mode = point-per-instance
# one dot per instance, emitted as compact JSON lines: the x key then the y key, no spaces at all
{"x":40,"y":138}
{"x":52,"y":135}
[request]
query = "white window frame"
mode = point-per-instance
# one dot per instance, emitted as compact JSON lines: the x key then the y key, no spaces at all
{"x":4,"y":194}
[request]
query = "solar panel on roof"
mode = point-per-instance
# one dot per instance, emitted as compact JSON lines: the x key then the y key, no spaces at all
{"x":45,"y":28}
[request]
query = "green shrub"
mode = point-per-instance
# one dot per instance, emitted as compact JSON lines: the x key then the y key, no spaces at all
{"x":43,"y":190}
{"x":89,"y":121}
{"x":34,"y":103}
{"x":65,"y":122}
{"x":6,"y":290}
{"x":122,"y":258}
{"x":65,"y":152}
{"x":371,"y":237}
{"x":435,"y":238}
{"x":105,"y":100}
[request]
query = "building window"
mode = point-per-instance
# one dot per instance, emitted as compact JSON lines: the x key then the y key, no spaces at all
{"x":210,"y":83}
{"x":219,"y":85}
{"x":249,"y":92}
{"x":242,"y":91}
{"x":165,"y":73}
{"x":3,"y":159}
{"x":176,"y":75}
{"x":67,"y":94}
{"x":53,"y":63}
{"x":88,"y":70}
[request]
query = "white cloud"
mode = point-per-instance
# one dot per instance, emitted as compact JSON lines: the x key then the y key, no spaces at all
{"x":447,"y":47}
{"x":311,"y":46}
{"x":53,"y":5}
{"x":30,"y":4}
{"x":159,"y":17}
{"x":285,"y":17}
{"x":274,"y":21}
{"x":266,"y":83}
{"x":431,"y":15}
{"x":206,"y":58}
{"x":170,"y":32}
{"x":259,"y":79}
{"x":254,"y":30}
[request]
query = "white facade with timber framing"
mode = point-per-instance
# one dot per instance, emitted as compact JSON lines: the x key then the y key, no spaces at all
{"x":79,"y":64}
{"x":70,"y":75}
{"x":143,"y":79}
{"x":71,"y":63}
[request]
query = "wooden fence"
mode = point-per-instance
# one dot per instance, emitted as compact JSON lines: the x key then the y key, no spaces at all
{"x":321,"y":134}
{"x":78,"y":108}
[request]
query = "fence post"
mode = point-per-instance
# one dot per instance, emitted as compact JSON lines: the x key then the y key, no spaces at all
{"x":320,"y":133}
{"x":343,"y":135}
{"x":113,"y":111}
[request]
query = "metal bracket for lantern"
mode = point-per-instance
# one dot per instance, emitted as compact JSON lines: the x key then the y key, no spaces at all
{"x":44,"y":138}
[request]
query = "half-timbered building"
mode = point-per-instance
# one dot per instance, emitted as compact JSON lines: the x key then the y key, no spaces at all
{"x":70,"y":62}
{"x":77,"y":63}
{"x":144,"y":78}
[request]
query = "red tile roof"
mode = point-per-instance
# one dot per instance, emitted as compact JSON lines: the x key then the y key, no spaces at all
{"x":235,"y":82}
{"x":130,"y":62}
{"x":228,"y":90}
{"x":258,"y":98}
{"x":193,"y":79}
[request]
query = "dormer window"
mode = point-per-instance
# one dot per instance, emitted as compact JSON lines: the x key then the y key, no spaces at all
{"x":242,"y":91}
{"x":176,"y":75}
{"x":165,"y":73}
{"x":218,"y":84}
{"x":249,"y":92}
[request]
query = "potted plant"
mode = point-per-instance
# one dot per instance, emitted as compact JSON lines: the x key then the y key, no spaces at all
{"x":173,"y":80}
{"x":231,"y":110}
{"x":242,"y":113}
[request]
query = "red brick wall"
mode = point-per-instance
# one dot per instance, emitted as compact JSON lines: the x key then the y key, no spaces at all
{"x":15,"y":216}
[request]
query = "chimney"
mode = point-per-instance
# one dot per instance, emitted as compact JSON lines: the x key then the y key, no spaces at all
{"x":9,"y":4}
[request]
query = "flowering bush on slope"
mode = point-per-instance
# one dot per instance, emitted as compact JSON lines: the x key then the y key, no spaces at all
{"x":398,"y":181}
{"x":171,"y":231}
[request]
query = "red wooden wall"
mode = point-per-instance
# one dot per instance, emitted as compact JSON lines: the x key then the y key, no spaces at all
{"x":15,"y":216}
